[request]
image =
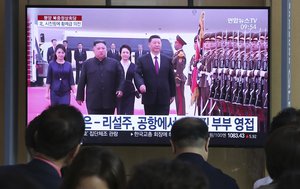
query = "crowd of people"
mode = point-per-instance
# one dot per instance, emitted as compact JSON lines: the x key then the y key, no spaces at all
{"x":54,"y":139}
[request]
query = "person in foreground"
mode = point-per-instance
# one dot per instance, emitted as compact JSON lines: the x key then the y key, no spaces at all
{"x":95,"y":168}
{"x":55,"y":141}
{"x":189,"y":141}
{"x":285,"y":117}
{"x":282,"y":153}
{"x":166,"y":174}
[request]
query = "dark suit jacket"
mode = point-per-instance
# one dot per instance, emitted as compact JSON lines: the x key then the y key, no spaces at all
{"x":50,"y":54}
{"x":68,"y":56}
{"x":102,"y":79}
{"x":115,"y":55}
{"x":40,"y":171}
{"x":137,"y":54}
{"x":217,"y":179}
{"x":128,"y":85}
{"x":159,"y":88}
{"x":80,"y":56}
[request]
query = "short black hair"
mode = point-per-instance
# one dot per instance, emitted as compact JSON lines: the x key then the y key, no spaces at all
{"x":99,"y":41}
{"x":283,"y":150}
{"x":53,"y":40}
{"x":65,"y":41}
{"x":125,"y":47}
{"x":96,"y":161}
{"x":166,"y":174}
{"x":59,"y":130}
{"x":187,"y":131}
{"x":153,"y":37}
{"x":285,"y":116}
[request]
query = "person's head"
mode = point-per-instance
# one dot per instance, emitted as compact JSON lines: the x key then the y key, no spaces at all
{"x":286,"y":116}
{"x":282,"y":150}
{"x":125,"y":52}
{"x":100,"y":49}
{"x":58,"y":133}
{"x":155,"y":44}
{"x":79,"y":46}
{"x":54,"y":42}
{"x":166,"y":174}
{"x":95,"y":168}
{"x":113,"y":46}
{"x":60,"y":52}
{"x":179,"y":43}
{"x":29,"y":134}
{"x":190,"y":134}
{"x":140,"y":47}
{"x":65,"y":43}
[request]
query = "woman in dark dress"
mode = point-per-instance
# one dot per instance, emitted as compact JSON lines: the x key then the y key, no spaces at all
{"x":125,"y":104}
{"x":60,"y":79}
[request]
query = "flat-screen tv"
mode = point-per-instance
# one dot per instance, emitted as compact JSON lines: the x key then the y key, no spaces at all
{"x":225,"y":72}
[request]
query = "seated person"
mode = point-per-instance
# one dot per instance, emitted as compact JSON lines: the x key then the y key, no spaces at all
{"x":53,"y":141}
{"x":189,"y":141}
{"x":282,"y":153}
{"x":95,"y":168}
{"x":286,"y":116}
{"x":166,"y":174}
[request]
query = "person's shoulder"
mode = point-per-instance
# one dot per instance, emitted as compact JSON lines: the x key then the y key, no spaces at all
{"x":224,"y":178}
{"x":68,"y":63}
{"x":112,"y":60}
{"x":165,"y":57}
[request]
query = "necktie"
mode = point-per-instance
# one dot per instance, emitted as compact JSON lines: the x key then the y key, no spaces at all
{"x":156,"y":64}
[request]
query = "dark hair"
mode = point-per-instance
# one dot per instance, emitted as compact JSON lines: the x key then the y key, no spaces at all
{"x":166,"y":174}
{"x":289,"y":180}
{"x":59,"y":130}
{"x":59,"y":46}
{"x":286,"y":116}
{"x":53,"y":40}
{"x":153,"y":37}
{"x":189,"y":131}
{"x":283,"y":150}
{"x":29,"y":134}
{"x":99,"y":41}
{"x":125,"y":47}
{"x":65,"y":41}
{"x":95,"y":161}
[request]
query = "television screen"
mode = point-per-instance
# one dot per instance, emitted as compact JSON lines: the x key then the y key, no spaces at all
{"x":218,"y":59}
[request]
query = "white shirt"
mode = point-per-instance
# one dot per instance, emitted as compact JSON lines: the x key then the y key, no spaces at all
{"x":125,"y":67}
{"x":158,"y":59}
{"x":263,"y":181}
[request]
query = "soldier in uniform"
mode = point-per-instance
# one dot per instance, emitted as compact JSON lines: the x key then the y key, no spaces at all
{"x":179,"y":62}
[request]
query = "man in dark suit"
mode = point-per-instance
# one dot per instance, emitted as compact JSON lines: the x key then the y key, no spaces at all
{"x":51,"y":50}
{"x":140,"y":52}
{"x":189,"y":141}
{"x":80,"y":57}
{"x":155,"y":79}
{"x":68,"y":56}
{"x":53,"y":138}
{"x":103,"y":78}
{"x":113,"y":53}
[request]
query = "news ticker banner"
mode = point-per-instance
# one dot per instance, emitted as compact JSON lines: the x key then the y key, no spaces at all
{"x":237,"y":124}
{"x":70,"y":21}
